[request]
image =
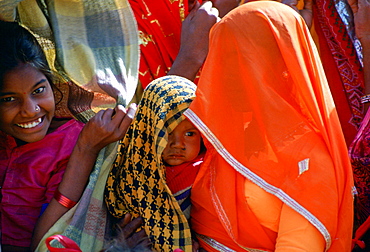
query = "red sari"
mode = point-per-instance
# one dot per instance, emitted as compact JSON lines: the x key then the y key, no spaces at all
{"x":159,"y":24}
{"x":341,"y":63}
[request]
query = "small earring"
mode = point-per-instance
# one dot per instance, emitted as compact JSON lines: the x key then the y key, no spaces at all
{"x":37,"y":108}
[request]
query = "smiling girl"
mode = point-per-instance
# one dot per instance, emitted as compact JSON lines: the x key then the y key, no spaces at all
{"x":45,"y":161}
{"x":27,"y":104}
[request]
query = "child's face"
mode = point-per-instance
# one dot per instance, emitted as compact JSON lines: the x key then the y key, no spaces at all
{"x":183,"y":144}
{"x":26,"y":104}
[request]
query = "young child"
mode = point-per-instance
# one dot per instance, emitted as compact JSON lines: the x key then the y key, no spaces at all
{"x":44,"y":161}
{"x":183,"y":156}
{"x":138,"y":182}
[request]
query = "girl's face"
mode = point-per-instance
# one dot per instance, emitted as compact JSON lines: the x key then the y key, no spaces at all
{"x":183,"y":144}
{"x":26,"y":104}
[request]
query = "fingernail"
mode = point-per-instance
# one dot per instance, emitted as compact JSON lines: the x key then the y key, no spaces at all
{"x":120,"y":106}
{"x":131,"y":110}
{"x":133,"y":105}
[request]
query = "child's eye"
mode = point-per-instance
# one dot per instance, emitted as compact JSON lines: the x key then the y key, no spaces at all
{"x":39,"y":90}
{"x":7,"y":99}
{"x":189,"y":134}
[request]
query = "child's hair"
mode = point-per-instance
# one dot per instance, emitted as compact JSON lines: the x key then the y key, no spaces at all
{"x":18,"y":45}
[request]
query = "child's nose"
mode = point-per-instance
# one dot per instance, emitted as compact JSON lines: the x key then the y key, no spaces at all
{"x":177,"y":142}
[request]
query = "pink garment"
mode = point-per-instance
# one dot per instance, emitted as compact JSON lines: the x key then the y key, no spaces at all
{"x":29,"y":175}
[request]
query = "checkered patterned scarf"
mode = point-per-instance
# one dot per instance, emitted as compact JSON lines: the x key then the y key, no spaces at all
{"x":137,"y":181}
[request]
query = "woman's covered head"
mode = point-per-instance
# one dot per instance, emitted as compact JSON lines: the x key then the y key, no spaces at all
{"x":27,"y":102}
{"x":260,"y":54}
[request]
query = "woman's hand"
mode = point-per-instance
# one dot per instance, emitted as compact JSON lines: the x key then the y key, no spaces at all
{"x":128,"y":237}
{"x":105,"y":127}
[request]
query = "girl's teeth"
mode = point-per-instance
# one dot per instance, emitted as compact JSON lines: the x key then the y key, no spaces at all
{"x":30,"y":125}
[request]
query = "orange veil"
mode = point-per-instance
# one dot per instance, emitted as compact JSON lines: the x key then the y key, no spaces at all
{"x":264,"y":106}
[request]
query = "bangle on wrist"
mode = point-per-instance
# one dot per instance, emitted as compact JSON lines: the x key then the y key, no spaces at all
{"x":63,"y":200}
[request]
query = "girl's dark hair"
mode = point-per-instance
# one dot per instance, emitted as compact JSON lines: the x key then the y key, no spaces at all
{"x":18,"y":45}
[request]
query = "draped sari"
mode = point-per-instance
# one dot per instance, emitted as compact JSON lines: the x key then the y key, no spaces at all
{"x":341,"y":55}
{"x":265,"y":109}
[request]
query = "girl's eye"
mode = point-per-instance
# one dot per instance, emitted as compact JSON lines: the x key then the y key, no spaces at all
{"x":39,"y":90}
{"x":7,"y":99}
{"x":189,"y":134}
